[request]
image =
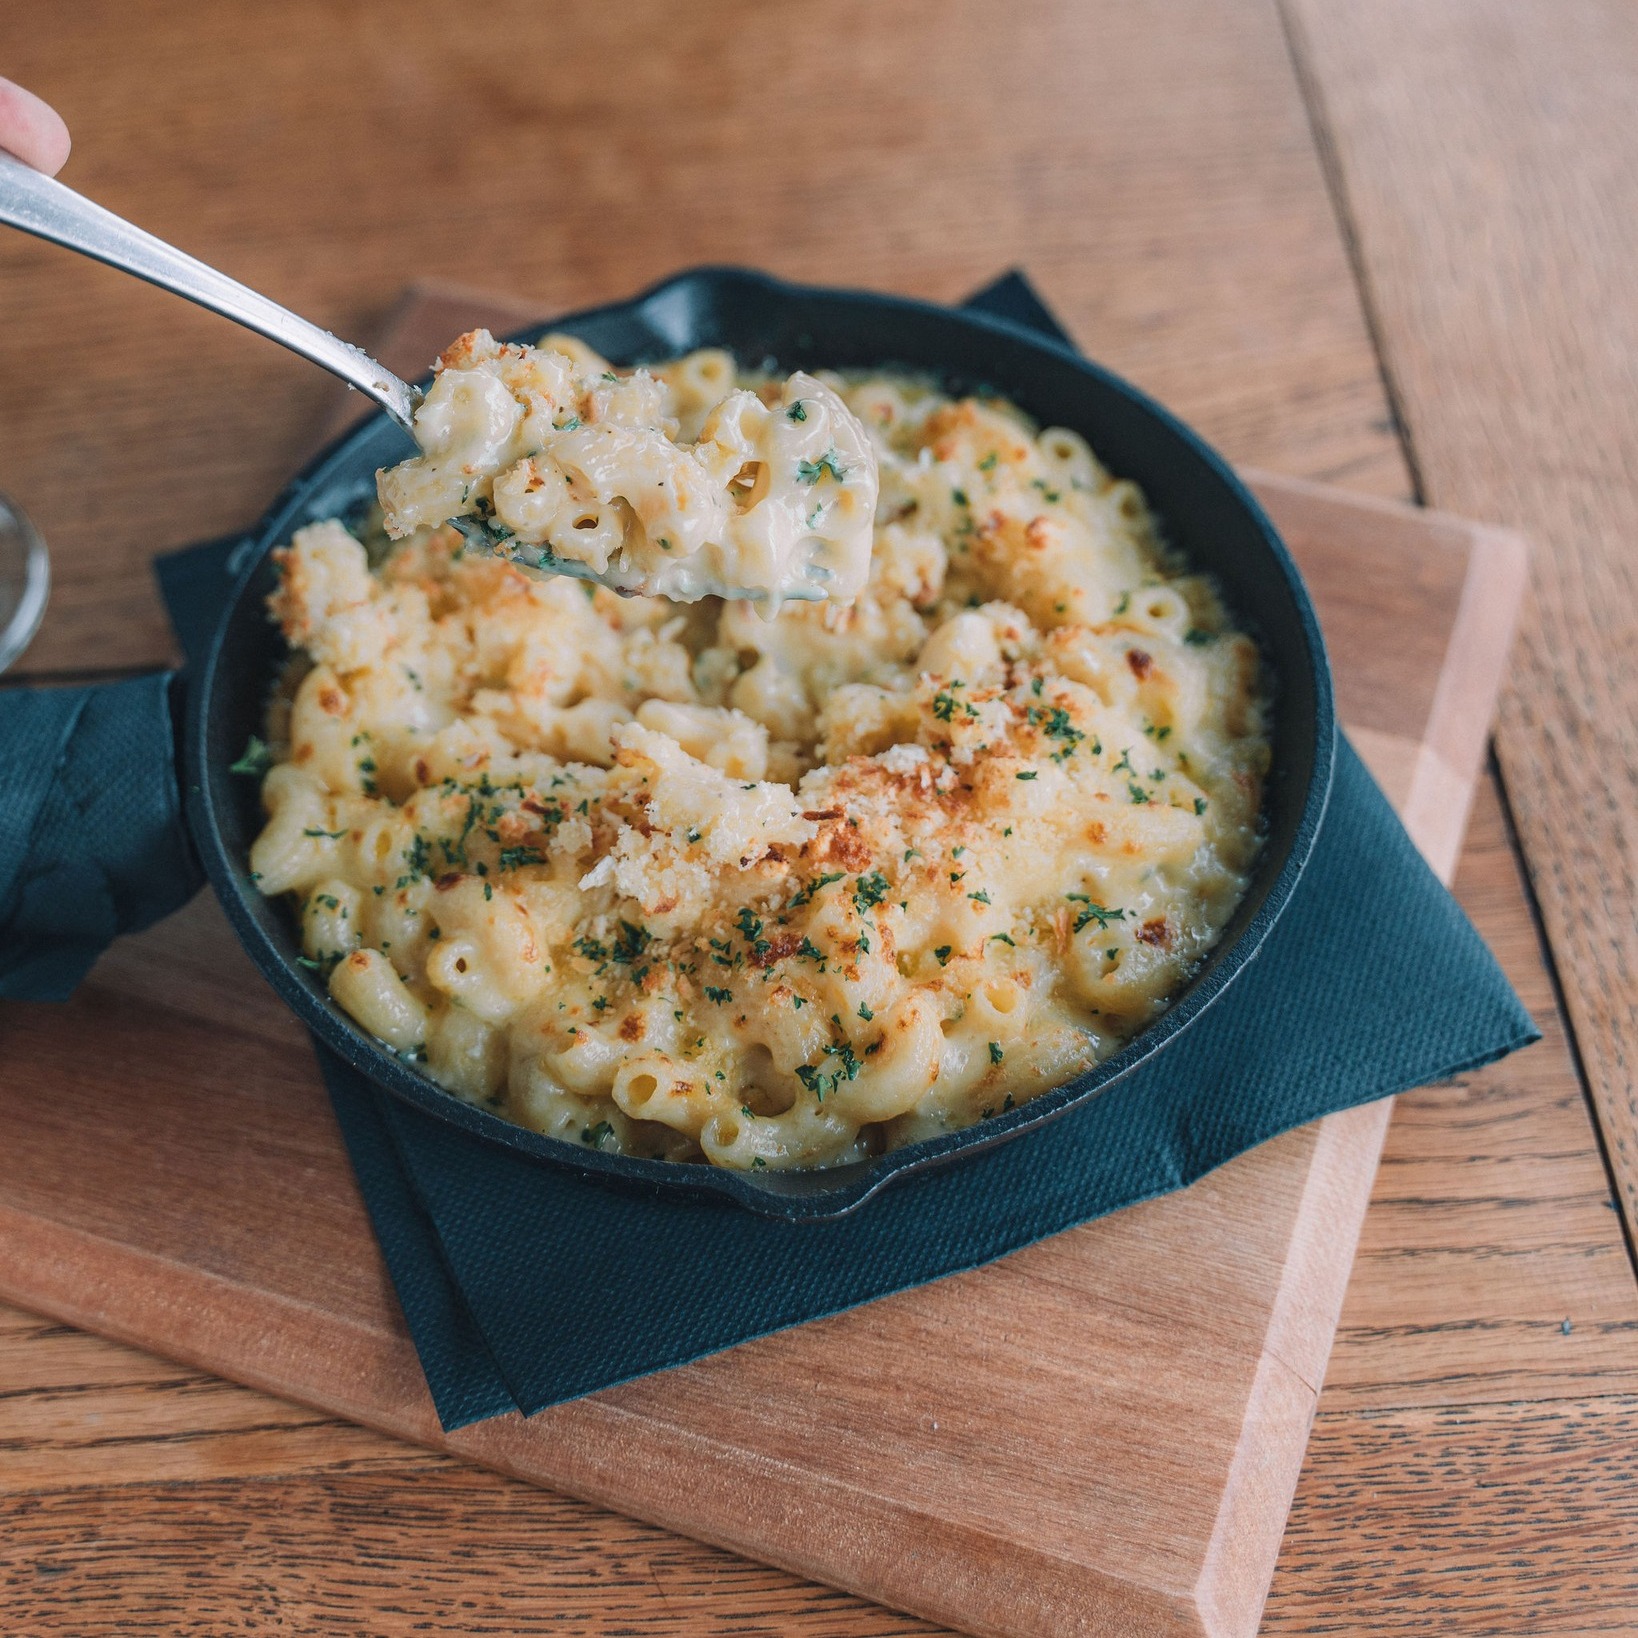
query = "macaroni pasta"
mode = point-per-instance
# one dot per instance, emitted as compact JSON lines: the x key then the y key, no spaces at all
{"x":694,"y":883}
{"x":565,"y":465}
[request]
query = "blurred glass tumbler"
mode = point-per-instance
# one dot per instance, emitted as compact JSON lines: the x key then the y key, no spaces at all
{"x":25,"y":581}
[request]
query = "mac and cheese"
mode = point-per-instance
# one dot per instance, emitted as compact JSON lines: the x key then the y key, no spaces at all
{"x":694,"y":883}
{"x":569,"y":467}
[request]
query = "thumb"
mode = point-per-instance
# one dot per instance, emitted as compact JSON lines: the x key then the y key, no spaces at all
{"x":31,"y":129}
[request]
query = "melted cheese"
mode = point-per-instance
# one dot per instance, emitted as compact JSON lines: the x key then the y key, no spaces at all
{"x":694,"y":883}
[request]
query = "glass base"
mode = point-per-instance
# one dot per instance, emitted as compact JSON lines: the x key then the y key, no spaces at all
{"x":25,"y":581}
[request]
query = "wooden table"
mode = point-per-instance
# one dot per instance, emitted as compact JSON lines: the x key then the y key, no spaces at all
{"x":1384,"y":246}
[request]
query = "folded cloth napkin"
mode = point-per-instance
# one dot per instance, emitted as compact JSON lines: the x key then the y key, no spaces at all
{"x":91,"y":841}
{"x":524,"y":1285}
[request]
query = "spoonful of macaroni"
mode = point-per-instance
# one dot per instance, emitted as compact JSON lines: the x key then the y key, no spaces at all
{"x":551,"y":460}
{"x":547,"y":458}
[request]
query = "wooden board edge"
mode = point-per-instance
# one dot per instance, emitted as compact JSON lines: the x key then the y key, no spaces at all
{"x":959,"y":1575}
{"x":347,"y":1368}
{"x":1451,"y":756}
{"x":1238,"y":1566}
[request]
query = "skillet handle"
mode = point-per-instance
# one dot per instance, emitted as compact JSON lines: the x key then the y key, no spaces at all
{"x":92,"y":839}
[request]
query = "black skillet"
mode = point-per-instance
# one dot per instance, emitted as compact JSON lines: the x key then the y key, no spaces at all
{"x":1205,"y":510}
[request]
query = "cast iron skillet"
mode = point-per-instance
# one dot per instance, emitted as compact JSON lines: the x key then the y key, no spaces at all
{"x":1203,"y":507}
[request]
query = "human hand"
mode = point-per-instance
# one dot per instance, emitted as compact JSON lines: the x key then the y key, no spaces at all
{"x":31,"y":129}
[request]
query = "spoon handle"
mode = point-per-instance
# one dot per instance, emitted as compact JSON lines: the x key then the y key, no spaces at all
{"x":40,"y":205}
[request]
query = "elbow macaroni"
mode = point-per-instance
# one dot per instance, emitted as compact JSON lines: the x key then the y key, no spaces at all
{"x":698,"y":884}
{"x":575,"y":469}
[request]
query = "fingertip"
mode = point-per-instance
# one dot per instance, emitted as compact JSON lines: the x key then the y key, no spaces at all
{"x":32,"y":129}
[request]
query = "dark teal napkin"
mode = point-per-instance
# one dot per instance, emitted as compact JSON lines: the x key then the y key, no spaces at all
{"x":524,"y":1285}
{"x":91,"y":839}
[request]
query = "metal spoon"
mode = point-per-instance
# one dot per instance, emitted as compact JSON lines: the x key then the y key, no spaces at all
{"x":40,"y":205}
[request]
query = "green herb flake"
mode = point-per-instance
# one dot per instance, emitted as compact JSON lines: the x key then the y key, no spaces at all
{"x":255,"y":761}
{"x":1092,"y":911}
{"x":720,"y":996}
{"x":996,"y":1054}
{"x":804,"y":895}
{"x":1024,"y":776}
{"x":630,"y":943}
{"x":943,"y":954}
{"x":812,"y":471}
{"x":593,"y":1136}
{"x":869,"y":891}
{"x":797,"y":411}
{"x":515,"y":858}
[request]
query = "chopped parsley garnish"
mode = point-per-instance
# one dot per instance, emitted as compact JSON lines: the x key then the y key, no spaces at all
{"x":255,"y":761}
{"x":418,"y":860}
{"x":804,"y":894}
{"x":811,"y":950}
{"x":812,"y":471}
{"x":797,"y":411}
{"x":1124,"y":604}
{"x":1137,"y":793}
{"x":1199,"y":804}
{"x":630,"y":942}
{"x":1056,"y":723}
{"x":869,"y":891}
{"x":720,"y":996}
{"x":327,"y":899}
{"x":996,"y":1054}
{"x":943,"y":953}
{"x":989,"y":462}
{"x":334,"y":835}
{"x":571,"y":425}
{"x":593,"y":1136}
{"x":959,"y":496}
{"x":1092,"y":911}
{"x":514,"y":858}
{"x":819,"y":1080}
{"x":865,"y":1012}
{"x":980,"y":897}
{"x":1024,"y":776}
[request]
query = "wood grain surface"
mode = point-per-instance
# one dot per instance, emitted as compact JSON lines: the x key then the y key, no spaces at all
{"x":1155,"y":170}
{"x":1158,"y":182}
{"x":1489,"y":157}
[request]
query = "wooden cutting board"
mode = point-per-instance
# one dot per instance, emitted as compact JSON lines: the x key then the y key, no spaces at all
{"x":1097,"y":1435}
